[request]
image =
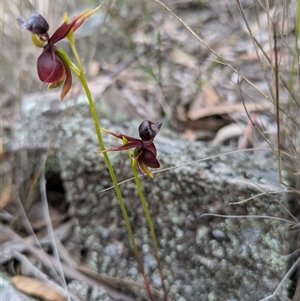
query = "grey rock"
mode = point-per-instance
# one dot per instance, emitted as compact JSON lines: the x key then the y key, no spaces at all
{"x":203,"y":257}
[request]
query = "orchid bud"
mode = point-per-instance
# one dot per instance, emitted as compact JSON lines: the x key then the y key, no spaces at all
{"x":36,"y":24}
{"x":148,"y":130}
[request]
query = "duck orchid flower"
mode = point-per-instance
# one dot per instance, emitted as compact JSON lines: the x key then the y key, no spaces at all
{"x":53,"y":65}
{"x":144,"y":154}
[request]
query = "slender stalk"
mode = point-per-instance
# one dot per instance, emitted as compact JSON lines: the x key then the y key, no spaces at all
{"x":151,"y":227}
{"x":109,"y":166}
{"x":75,"y":52}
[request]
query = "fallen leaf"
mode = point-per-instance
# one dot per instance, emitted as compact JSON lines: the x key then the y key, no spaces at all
{"x":206,"y":97}
{"x":227,"y":132}
{"x":37,"y":288}
{"x":142,"y":38}
{"x":227,"y":109}
{"x":190,"y":134}
{"x":99,"y":84}
{"x":247,"y":137}
{"x":180,"y":57}
{"x":175,"y":32}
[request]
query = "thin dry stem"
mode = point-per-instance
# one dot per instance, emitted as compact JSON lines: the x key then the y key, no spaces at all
{"x":258,"y":195}
{"x":251,"y":217}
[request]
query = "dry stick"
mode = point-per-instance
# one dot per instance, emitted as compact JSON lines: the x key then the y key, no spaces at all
{"x":29,"y":266}
{"x":209,"y":48}
{"x":270,"y":47}
{"x":119,"y":282}
{"x":21,"y":213}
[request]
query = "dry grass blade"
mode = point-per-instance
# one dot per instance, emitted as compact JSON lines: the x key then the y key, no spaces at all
{"x":251,"y":217}
{"x":258,"y":195}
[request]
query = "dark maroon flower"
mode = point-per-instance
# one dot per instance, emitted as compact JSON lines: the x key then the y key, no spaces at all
{"x":53,"y":68}
{"x":144,"y":148}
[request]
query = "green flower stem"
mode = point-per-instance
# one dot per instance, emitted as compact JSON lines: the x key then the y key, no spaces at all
{"x":77,"y":57}
{"x":151,"y":227}
{"x":109,"y":166}
{"x":64,"y":56}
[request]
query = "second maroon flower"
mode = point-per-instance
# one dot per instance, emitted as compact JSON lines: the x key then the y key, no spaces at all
{"x":144,"y":148}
